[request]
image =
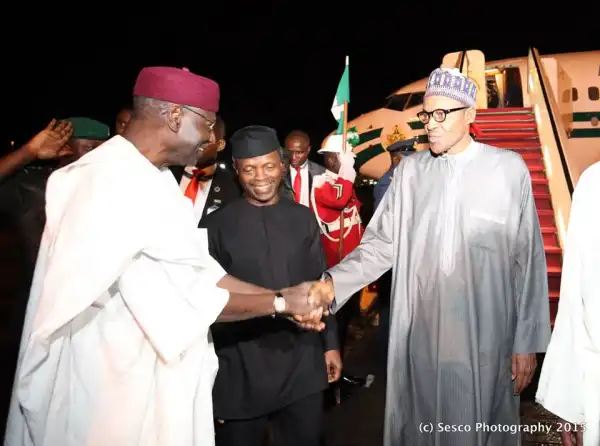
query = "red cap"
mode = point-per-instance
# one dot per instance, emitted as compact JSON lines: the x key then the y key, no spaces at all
{"x":179,"y":86}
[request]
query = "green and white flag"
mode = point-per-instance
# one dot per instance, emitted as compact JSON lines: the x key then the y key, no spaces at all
{"x":342,"y":95}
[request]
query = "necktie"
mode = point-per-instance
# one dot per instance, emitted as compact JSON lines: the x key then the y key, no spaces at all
{"x":192,"y":189}
{"x":298,"y":185}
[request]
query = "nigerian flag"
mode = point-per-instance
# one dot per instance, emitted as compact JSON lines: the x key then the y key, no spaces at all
{"x":342,"y":95}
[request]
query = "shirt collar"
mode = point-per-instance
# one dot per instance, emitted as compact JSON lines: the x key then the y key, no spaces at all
{"x":465,"y":156}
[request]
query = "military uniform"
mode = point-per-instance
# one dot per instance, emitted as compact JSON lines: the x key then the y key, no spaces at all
{"x":23,"y":193}
{"x":337,"y":210}
{"x":332,"y":197}
{"x":404,"y":147}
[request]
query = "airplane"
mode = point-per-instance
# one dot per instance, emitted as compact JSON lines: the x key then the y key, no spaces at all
{"x":507,"y":87}
{"x":545,"y":108}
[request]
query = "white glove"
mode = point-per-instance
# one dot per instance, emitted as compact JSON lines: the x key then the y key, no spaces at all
{"x":347,"y":171}
{"x":319,"y":180}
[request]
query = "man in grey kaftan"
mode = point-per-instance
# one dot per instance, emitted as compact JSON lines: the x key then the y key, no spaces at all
{"x":469,"y":291}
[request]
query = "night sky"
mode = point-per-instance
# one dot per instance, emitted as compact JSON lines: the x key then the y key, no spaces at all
{"x":275,"y":67}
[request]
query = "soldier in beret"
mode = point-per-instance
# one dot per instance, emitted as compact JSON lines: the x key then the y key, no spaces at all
{"x":25,"y":172}
{"x":397,"y":151}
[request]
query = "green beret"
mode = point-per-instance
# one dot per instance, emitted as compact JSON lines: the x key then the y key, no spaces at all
{"x":86,"y":128}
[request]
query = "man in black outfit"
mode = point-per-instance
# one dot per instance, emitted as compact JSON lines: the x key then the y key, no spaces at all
{"x":271,"y":371}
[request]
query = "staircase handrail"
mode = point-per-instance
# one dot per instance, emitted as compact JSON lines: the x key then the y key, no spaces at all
{"x":560,"y":133}
{"x":553,"y":139}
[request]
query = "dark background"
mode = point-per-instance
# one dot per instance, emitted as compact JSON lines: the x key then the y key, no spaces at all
{"x":277,"y":65}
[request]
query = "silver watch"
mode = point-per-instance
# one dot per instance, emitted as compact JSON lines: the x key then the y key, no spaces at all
{"x":279,"y":303}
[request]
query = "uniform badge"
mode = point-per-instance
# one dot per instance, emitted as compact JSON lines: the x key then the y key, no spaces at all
{"x":338,"y":189}
{"x":216,"y":205}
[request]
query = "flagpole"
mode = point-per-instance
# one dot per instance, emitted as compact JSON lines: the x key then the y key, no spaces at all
{"x":345,"y":128}
{"x":344,"y":135}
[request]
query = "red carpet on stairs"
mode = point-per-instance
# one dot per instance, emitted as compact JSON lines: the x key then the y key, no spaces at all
{"x":515,"y":129}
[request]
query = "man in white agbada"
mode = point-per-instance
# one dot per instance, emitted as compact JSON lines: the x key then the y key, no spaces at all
{"x":469,"y":302}
{"x":570,"y":379}
{"x":116,"y":348}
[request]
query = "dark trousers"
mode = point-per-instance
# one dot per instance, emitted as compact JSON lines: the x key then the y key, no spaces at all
{"x":299,"y":424}
{"x":349,"y":311}
{"x":384,"y":291}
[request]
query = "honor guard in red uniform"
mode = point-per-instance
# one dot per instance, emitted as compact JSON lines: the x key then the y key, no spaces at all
{"x":333,"y":197}
{"x":337,"y":210}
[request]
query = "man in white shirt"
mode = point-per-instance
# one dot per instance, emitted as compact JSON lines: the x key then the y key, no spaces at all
{"x":570,"y":379}
{"x":116,"y":347}
{"x":302,"y":170}
{"x":209,"y":184}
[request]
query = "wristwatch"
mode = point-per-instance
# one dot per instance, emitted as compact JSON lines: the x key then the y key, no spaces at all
{"x":279,"y":303}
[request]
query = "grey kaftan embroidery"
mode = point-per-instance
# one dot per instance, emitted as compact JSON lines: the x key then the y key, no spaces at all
{"x":469,"y":289}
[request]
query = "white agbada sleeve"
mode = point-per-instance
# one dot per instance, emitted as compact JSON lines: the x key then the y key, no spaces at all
{"x":172,"y":317}
{"x":570,"y":378}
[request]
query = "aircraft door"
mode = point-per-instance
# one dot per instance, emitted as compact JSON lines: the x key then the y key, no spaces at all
{"x":473,"y":66}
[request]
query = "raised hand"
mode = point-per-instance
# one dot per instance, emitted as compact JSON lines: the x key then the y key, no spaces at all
{"x":52,"y":141}
{"x":347,"y":170}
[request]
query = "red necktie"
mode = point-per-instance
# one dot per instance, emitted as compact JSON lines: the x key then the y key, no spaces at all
{"x":298,"y":185}
{"x":192,"y":189}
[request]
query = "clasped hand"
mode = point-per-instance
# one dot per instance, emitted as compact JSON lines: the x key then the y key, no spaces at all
{"x":308,"y":302}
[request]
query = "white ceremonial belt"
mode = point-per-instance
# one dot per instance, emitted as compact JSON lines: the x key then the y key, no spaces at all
{"x":350,"y":221}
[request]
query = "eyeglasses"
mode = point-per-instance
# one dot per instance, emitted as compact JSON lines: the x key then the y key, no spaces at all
{"x":211,"y":123}
{"x":439,"y":115}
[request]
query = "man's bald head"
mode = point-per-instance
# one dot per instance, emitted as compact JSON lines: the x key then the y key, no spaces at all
{"x":297,"y":143}
{"x":174,"y":115}
{"x":299,"y":134}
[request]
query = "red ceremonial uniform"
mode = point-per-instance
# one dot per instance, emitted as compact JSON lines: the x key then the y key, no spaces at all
{"x":330,"y":199}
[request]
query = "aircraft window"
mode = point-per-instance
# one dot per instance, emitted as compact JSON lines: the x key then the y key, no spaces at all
{"x":566,"y":96}
{"x":575,"y":95}
{"x":397,"y":102}
{"x":593,"y":93}
{"x":415,"y":99}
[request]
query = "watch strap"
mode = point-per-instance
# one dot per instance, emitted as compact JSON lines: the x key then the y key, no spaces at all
{"x":279,"y":299}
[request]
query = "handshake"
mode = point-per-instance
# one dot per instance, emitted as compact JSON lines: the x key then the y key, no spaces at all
{"x":308,"y":302}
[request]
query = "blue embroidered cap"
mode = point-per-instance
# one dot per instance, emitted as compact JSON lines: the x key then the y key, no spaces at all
{"x":451,"y":83}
